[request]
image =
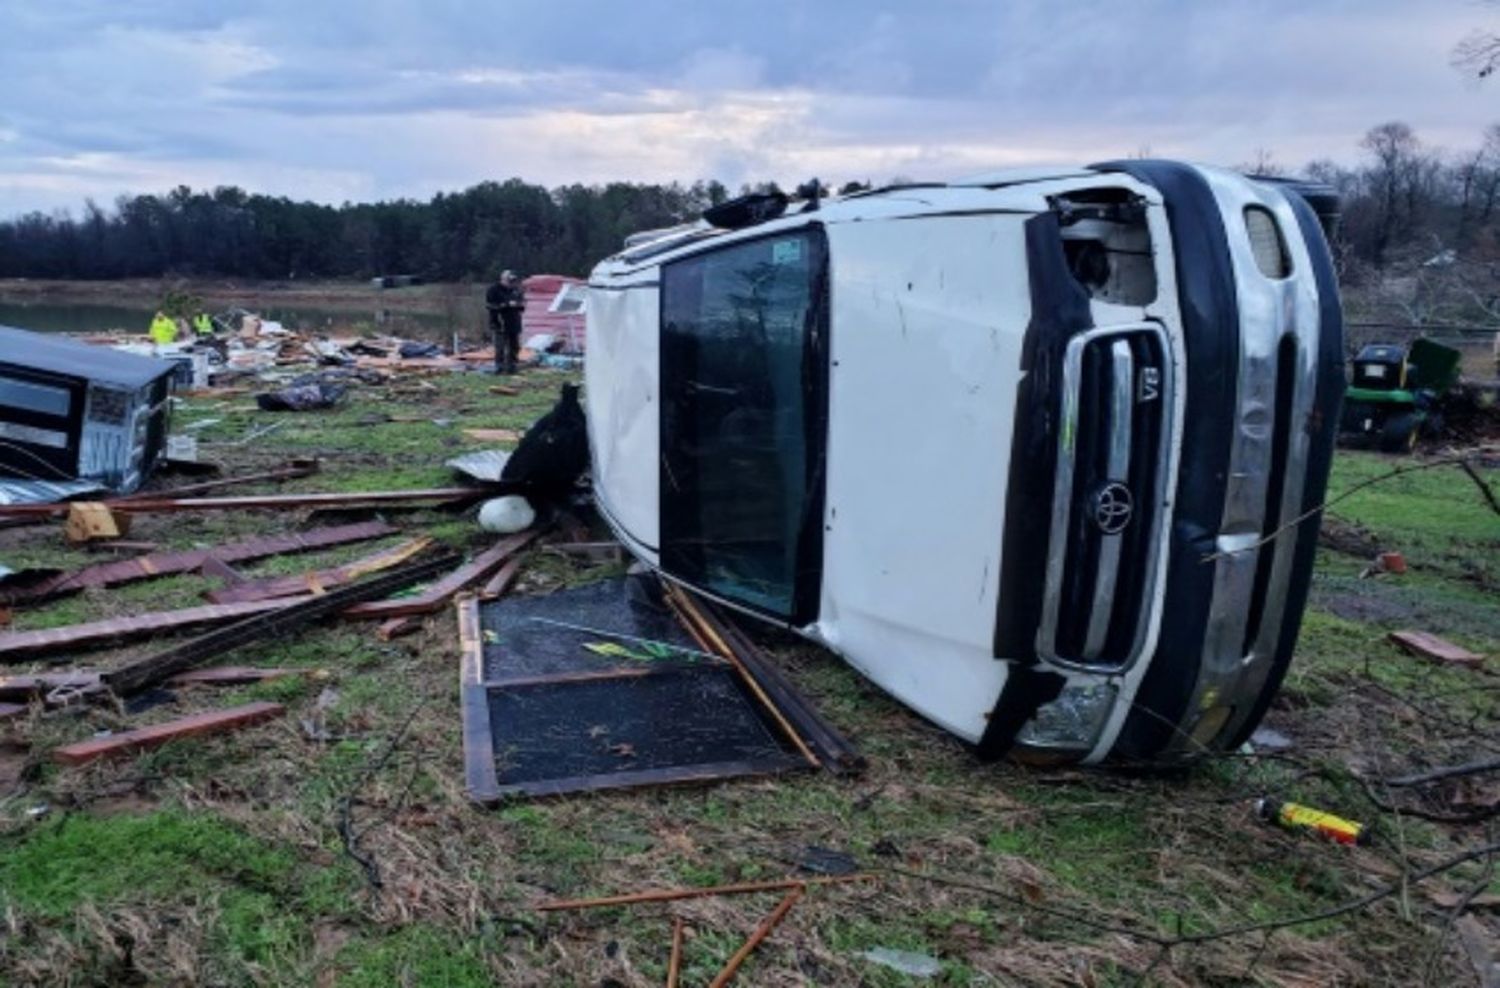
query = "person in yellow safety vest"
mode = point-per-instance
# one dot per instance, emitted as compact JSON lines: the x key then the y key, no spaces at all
{"x":163,"y":329}
{"x":203,"y":325}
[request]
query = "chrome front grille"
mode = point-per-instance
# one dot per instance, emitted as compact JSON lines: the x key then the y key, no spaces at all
{"x":1110,"y":497}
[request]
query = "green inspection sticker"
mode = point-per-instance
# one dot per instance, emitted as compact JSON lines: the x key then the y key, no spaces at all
{"x":786,"y":251}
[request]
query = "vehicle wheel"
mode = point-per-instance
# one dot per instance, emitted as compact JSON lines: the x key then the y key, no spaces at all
{"x":1399,"y":433}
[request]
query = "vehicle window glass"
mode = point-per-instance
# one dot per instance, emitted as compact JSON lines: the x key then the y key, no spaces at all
{"x":742,"y":399}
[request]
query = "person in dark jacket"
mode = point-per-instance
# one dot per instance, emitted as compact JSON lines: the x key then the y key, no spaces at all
{"x":505,"y":302}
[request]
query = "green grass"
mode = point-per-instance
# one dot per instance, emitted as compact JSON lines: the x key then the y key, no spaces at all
{"x":112,"y":859}
{"x":420,"y":956}
{"x":256,"y":866}
{"x":1437,"y":517}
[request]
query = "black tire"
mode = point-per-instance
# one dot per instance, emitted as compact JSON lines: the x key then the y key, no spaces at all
{"x":1399,"y":433}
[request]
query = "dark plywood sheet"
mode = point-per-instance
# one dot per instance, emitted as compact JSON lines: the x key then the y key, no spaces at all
{"x":547,"y":714}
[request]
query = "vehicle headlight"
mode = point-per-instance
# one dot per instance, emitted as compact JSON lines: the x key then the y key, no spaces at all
{"x":1073,"y":720}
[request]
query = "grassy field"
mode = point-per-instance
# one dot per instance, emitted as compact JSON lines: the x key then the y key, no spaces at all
{"x":220,"y":862}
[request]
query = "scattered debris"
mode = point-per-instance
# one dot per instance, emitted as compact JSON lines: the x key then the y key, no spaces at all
{"x":309,"y":396}
{"x":1270,"y":739}
{"x":674,"y":959}
{"x":1294,"y":816}
{"x":826,"y":861}
{"x":704,"y":892}
{"x":92,"y":521}
{"x":149,"y":671}
{"x":231,"y":676}
{"x":1429,"y":646}
{"x":149,"y":737}
{"x":30,"y":685}
{"x":18,"y":646}
{"x":832,"y":750}
{"x":485,"y":465}
{"x":591,"y":688}
{"x":162,"y":564}
{"x":772,"y":920}
{"x":504,"y":515}
{"x":319,"y":581}
{"x":72,"y":413}
{"x":906,"y":961}
{"x":397,"y":627}
{"x":438,"y":595}
{"x":493,"y":435}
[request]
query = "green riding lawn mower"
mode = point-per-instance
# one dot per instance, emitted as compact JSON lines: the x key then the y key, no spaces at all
{"x":1397,"y":395}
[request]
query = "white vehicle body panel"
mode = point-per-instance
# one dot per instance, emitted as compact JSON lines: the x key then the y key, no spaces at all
{"x":928,"y":309}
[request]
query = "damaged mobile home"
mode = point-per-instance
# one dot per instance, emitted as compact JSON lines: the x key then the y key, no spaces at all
{"x":76,"y":418}
{"x":1039,"y":453}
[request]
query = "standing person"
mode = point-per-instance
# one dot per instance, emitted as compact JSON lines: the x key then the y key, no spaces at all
{"x":163,"y":329}
{"x":505,"y":302}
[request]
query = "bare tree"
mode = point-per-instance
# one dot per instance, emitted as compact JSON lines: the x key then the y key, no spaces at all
{"x":1392,"y":179}
{"x":1478,"y":53}
{"x":1262,"y":162}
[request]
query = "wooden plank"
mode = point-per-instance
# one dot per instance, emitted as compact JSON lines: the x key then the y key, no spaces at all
{"x":230,"y":675}
{"x":772,"y":920}
{"x":493,"y":435}
{"x":1429,"y":646}
{"x":152,"y":669}
{"x":10,"y":710}
{"x":495,"y":587}
{"x":165,"y":563}
{"x":353,"y":499}
{"x":474,"y":710}
{"x":21,"y":646}
{"x":695,"y":616}
{"x":441,"y":592}
{"x":142,"y":738}
{"x":610,"y":552}
{"x":292,"y":471}
{"x":318,"y":581}
{"x":835,"y":751}
{"x":398,"y":627}
{"x":219,"y":569}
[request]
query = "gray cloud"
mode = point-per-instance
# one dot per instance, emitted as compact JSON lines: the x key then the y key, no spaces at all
{"x":391,"y":98}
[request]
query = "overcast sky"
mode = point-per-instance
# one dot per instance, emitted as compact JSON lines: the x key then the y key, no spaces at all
{"x":369,"y":100}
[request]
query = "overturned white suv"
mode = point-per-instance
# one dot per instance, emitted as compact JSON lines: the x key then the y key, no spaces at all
{"x":1029,"y":450}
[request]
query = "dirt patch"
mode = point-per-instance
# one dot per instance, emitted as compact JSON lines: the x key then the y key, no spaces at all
{"x":13,"y":765}
{"x":1371,"y":608}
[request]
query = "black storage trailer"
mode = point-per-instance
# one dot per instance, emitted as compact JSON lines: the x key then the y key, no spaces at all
{"x":74,"y":411}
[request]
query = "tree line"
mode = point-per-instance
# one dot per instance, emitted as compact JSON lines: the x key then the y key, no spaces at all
{"x":1404,"y":202}
{"x":229,"y":232}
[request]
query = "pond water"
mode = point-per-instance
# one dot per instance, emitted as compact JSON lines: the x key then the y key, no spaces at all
{"x":89,"y":317}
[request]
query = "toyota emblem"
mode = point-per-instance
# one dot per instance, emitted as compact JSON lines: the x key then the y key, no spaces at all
{"x":1113,"y":507}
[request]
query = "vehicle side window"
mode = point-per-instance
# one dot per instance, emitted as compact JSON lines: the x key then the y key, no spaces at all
{"x":741,"y":392}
